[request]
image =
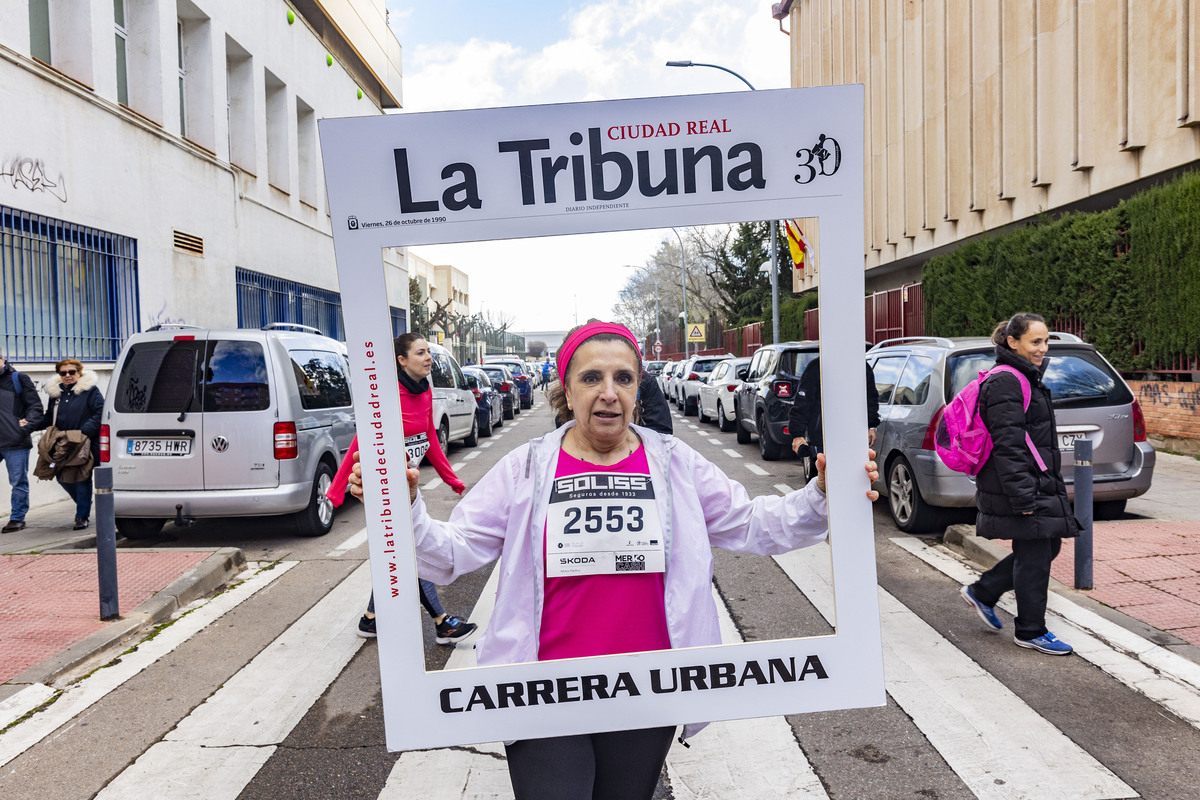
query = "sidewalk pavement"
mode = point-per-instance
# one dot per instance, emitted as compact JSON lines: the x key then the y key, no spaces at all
{"x":1146,"y":565}
{"x":50,"y":599}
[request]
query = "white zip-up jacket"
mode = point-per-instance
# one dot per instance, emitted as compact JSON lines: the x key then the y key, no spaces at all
{"x":699,"y":506}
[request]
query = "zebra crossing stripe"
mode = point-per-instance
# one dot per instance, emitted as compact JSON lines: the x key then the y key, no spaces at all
{"x":215,"y":751}
{"x":81,"y":696}
{"x":1165,"y":677}
{"x":703,"y":770}
{"x":997,"y":745}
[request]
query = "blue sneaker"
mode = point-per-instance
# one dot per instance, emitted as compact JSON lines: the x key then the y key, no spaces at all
{"x":1047,"y":643}
{"x":986,"y":613}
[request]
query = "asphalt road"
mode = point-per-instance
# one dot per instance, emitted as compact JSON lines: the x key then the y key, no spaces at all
{"x":335,"y":747}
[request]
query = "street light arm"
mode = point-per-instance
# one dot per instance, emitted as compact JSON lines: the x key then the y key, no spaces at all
{"x":713,"y":66}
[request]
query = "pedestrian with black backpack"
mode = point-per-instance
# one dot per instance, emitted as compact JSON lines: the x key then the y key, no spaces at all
{"x":1019,"y":491}
{"x":20,"y":415}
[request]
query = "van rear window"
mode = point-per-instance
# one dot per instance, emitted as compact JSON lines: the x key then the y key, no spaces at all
{"x":171,"y":377}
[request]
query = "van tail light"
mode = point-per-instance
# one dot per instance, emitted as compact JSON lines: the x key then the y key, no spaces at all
{"x":693,"y":377}
{"x":931,"y":431}
{"x":105,"y":445}
{"x":286,"y":442}
{"x":781,"y":388}
{"x":1139,"y":422}
{"x":478,"y":395}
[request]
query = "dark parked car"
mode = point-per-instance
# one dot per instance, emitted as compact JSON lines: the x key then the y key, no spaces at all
{"x":502,"y":379}
{"x":763,"y":400}
{"x":520,"y":373}
{"x":916,"y":376}
{"x":488,"y":399}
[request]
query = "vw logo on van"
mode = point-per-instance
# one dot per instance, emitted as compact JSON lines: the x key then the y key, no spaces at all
{"x":220,"y":444}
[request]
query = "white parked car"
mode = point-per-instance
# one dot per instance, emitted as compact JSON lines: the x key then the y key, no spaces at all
{"x":695,"y":371}
{"x":453,"y":401}
{"x":716,"y":393}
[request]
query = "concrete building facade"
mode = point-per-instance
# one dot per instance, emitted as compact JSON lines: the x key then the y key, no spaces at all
{"x":159,"y":162}
{"x":983,"y":114}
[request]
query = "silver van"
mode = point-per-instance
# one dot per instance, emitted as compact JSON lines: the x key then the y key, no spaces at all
{"x":225,"y":423}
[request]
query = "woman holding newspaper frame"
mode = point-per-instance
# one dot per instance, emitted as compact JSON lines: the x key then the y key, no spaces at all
{"x":1020,"y":493}
{"x":670,"y":505}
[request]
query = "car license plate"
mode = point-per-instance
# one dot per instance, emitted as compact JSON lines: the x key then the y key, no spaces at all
{"x":159,"y":447}
{"x":1066,"y":441}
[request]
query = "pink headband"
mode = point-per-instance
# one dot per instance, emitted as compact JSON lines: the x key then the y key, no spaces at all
{"x":568,"y":348}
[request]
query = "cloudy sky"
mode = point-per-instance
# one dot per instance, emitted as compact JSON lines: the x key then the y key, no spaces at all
{"x":460,"y":54}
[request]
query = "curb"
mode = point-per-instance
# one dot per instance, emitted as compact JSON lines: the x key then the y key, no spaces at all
{"x":984,"y":553}
{"x":201,"y":580}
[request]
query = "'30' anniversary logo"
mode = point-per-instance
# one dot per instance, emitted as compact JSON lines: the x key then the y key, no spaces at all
{"x":823,"y":158}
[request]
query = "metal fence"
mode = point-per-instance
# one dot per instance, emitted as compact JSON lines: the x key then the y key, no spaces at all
{"x":68,"y":291}
{"x":263,"y":299}
{"x":889,"y":314}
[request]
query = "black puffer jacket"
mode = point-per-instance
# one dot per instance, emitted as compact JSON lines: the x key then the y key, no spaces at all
{"x":80,"y":407}
{"x":1010,"y":482}
{"x":16,"y":406}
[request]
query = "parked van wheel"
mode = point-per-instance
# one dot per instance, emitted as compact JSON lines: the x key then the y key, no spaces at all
{"x":317,"y":518}
{"x":132,"y":528}
{"x":473,"y":437}
{"x":486,"y":430}
{"x":444,"y":436}
{"x":909,"y":510}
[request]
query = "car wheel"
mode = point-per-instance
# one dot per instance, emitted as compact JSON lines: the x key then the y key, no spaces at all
{"x":768,"y":448}
{"x":723,"y":424}
{"x":743,"y":435}
{"x":444,"y":436}
{"x":700,"y":415}
{"x":317,"y":518}
{"x":132,"y":528}
{"x":1108,"y":509}
{"x":473,"y":437}
{"x":508,"y":413}
{"x":909,"y":510}
{"x":486,"y":430}
{"x":690,"y":408}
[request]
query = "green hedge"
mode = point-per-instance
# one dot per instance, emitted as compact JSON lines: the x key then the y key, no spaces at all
{"x":1129,"y":277}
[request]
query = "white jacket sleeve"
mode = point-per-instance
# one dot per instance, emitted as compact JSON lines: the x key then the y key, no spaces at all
{"x":768,"y":524}
{"x":474,"y":535}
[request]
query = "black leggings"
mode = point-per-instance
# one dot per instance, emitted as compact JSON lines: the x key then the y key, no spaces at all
{"x":621,"y":765}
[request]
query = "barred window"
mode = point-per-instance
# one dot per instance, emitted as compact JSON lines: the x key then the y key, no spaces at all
{"x":69,"y":291}
{"x":263,"y":299}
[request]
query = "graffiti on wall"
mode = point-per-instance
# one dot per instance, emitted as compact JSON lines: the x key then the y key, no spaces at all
{"x":1183,"y":395}
{"x":31,"y":173}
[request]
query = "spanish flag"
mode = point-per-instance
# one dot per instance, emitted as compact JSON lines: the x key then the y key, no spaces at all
{"x":802,"y":251}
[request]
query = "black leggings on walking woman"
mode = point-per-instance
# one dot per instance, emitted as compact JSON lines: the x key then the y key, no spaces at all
{"x":620,"y":765}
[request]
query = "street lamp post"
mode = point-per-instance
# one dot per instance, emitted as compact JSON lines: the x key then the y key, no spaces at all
{"x":683,"y":279}
{"x":774,"y":223}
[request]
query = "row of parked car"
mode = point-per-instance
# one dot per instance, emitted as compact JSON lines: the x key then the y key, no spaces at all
{"x":223,"y":423}
{"x":915,"y":378}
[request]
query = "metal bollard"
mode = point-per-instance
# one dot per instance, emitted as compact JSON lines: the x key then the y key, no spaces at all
{"x":106,"y":543}
{"x":1083,"y":513}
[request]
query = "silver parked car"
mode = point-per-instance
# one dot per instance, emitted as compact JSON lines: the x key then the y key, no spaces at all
{"x":225,"y":423}
{"x":716,"y":393}
{"x":695,"y":372}
{"x":454,"y":414}
{"x":917,"y":376}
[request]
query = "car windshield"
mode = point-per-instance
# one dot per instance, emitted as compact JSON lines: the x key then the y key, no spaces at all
{"x":704,"y":367}
{"x":1076,"y":378}
{"x":165,"y":377}
{"x":793,"y":362}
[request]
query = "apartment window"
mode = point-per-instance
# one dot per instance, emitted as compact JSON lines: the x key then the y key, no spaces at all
{"x":263,"y":299}
{"x":39,"y":30}
{"x":122,"y":36}
{"x":306,"y":152}
{"x":399,"y":321}
{"x":183,"y":126}
{"x":67,"y":290}
{"x":239,"y":87}
{"x":278,"y":157}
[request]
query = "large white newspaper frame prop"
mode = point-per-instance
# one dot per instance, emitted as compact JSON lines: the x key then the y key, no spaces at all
{"x":462,"y":176}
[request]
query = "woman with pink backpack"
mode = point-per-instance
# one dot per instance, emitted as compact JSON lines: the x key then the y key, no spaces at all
{"x":1020,"y":492}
